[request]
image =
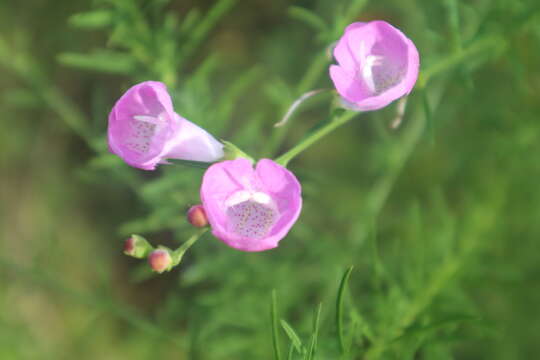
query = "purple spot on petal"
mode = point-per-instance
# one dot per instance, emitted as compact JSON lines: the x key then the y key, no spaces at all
{"x":252,"y":218}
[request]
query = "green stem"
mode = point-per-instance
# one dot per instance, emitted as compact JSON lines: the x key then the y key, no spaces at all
{"x":449,"y":62}
{"x":178,"y":254}
{"x":315,"y":135}
{"x":458,"y":57}
{"x":313,"y":73}
{"x":306,"y":83}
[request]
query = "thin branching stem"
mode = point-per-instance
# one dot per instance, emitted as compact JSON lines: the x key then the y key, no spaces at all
{"x":315,"y":135}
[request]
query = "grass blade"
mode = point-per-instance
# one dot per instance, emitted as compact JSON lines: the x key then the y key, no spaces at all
{"x":293,"y":336}
{"x":315,"y":334}
{"x":308,"y":17}
{"x":273,"y":315}
{"x":339,"y":308}
{"x":291,"y":352}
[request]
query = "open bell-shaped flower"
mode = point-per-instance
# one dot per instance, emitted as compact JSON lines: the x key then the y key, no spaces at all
{"x":377,"y":64}
{"x":145,"y":131}
{"x":250,"y":209}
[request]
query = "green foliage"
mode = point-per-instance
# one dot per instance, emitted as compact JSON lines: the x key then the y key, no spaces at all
{"x":438,"y":216}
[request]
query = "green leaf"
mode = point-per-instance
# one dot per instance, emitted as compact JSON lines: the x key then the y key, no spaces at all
{"x":293,"y":336}
{"x":315,"y":334}
{"x":91,"y":20}
{"x":201,"y":29}
{"x":101,"y":60}
{"x":452,"y":319}
{"x":273,"y":316}
{"x":22,"y":98}
{"x":339,"y":308}
{"x":454,"y":24}
{"x":308,"y":17}
{"x":230,"y":98}
{"x":428,"y":115}
{"x":192,"y":17}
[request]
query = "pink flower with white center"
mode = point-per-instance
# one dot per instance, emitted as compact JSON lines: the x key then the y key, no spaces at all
{"x":144,"y":130}
{"x":377,"y":64}
{"x":250,"y":209}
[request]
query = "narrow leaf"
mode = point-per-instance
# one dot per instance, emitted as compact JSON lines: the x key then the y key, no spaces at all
{"x":339,"y":308}
{"x":428,"y":115}
{"x":103,"y":61}
{"x":91,"y":20}
{"x":291,"y":352}
{"x":415,"y":330}
{"x":273,"y":316}
{"x":308,"y":17}
{"x":315,"y":334}
{"x":293,"y":336}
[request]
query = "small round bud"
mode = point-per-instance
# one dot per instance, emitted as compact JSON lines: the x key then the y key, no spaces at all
{"x":197,"y":216}
{"x":129,"y":246}
{"x":136,"y":246}
{"x":160,"y":260}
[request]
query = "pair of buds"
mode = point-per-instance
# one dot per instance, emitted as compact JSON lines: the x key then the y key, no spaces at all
{"x":162,"y":258}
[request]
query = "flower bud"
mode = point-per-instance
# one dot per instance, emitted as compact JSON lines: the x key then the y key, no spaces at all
{"x":137,"y":247}
{"x":197,"y":216}
{"x":160,"y":260}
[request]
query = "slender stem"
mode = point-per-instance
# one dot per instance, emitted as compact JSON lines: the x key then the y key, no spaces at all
{"x":313,"y":73}
{"x":458,"y":57}
{"x":178,"y":254}
{"x":315,"y":135}
{"x":448,"y":62}
{"x":308,"y":80}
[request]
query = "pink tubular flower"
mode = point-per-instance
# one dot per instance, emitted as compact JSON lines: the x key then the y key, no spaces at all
{"x":144,"y":130}
{"x":377,"y":65}
{"x":250,"y":209}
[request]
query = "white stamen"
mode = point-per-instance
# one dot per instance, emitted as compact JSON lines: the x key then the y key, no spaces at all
{"x":146,"y":118}
{"x":238,"y":197}
{"x":367,"y":70}
{"x":261,"y":198}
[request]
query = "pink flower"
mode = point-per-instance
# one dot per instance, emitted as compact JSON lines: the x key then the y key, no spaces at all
{"x":144,"y":130}
{"x":377,"y":65}
{"x":250,"y":209}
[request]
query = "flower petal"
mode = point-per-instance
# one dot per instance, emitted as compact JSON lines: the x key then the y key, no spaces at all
{"x":191,"y":142}
{"x":348,"y":85}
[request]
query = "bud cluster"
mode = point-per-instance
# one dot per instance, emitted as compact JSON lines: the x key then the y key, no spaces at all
{"x":163,"y":259}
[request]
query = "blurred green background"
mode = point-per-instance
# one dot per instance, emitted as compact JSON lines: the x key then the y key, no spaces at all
{"x":439,"y":217}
